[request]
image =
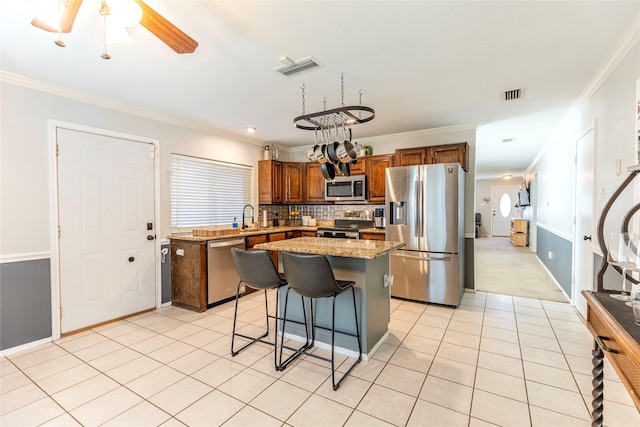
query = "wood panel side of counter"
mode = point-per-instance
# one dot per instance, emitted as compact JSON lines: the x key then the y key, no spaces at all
{"x":189,"y":275}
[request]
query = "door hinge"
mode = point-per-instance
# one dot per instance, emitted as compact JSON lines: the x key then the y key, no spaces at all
{"x":575,"y":160}
{"x":153,"y":152}
{"x":58,"y":232}
{"x":61,"y":312}
{"x":57,"y":150}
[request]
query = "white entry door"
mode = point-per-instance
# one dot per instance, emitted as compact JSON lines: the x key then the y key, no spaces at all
{"x":583,"y":253}
{"x":106,"y":214}
{"x":503,"y":200}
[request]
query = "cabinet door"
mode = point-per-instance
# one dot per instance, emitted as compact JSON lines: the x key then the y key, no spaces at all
{"x":293,"y":182}
{"x":269,"y":181}
{"x":315,"y":183}
{"x":371,"y":236}
{"x":189,"y":275}
{"x":448,"y":154}
{"x":376,"y":166}
{"x":411,"y":156}
{"x":359,"y":168}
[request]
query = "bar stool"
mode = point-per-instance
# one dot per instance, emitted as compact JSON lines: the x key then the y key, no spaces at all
{"x":312,"y":277}
{"x":257,"y":271}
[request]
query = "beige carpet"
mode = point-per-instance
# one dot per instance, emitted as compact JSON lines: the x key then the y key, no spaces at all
{"x":502,"y":268}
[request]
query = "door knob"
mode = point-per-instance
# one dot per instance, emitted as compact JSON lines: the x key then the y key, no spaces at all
{"x":586,"y":238}
{"x":151,"y":237}
{"x":131,"y":259}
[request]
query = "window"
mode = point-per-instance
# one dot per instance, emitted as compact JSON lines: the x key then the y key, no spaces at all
{"x":207,"y":192}
{"x":505,"y":205}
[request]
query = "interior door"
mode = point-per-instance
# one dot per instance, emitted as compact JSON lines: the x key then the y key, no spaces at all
{"x":583,"y":253}
{"x":106,"y":214}
{"x":503,"y":200}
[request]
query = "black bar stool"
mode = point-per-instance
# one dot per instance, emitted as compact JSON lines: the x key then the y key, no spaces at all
{"x":312,"y":277}
{"x":257,"y":270}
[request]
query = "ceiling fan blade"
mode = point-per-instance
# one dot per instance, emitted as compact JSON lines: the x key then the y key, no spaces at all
{"x":66,"y":20}
{"x":171,"y":35}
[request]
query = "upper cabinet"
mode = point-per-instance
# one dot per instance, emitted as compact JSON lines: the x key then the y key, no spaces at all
{"x":314,"y":183}
{"x":436,"y":154}
{"x":359,"y":168}
{"x":375,"y":167}
{"x":411,"y":156}
{"x":270,"y":182}
{"x":449,"y":154}
{"x":293,"y":183}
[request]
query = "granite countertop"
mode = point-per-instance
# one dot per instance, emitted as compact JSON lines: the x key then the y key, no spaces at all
{"x":229,"y":233}
{"x":347,"y":248}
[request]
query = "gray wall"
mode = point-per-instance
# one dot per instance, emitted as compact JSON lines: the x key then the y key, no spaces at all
{"x":25,"y":302}
{"x":561,"y":264}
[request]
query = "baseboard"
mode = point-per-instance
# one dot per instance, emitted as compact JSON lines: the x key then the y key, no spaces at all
{"x":26,"y":346}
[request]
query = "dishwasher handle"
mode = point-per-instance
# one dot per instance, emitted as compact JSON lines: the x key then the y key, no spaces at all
{"x":420,"y":258}
{"x":225,"y":243}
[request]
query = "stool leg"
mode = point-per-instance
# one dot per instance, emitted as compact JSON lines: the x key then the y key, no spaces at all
{"x":355,"y":314}
{"x":235,"y":316}
{"x":297,"y":352}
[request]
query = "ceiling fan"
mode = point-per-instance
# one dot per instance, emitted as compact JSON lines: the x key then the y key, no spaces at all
{"x":168,"y":33}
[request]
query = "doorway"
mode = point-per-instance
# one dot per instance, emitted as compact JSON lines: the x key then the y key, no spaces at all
{"x":503,"y":200}
{"x":106,"y":210}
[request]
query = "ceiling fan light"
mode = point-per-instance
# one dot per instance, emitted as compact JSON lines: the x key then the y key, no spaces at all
{"x":124,"y":13}
{"x":49,"y":12}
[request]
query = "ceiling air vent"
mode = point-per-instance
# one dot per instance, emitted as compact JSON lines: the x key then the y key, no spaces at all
{"x":298,"y":66}
{"x":510,"y":95}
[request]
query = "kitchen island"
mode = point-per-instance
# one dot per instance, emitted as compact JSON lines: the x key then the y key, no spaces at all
{"x":366,"y":262}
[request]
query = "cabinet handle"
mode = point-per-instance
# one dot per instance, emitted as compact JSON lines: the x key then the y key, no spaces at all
{"x":599,"y":340}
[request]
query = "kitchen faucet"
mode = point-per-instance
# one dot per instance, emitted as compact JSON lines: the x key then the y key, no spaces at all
{"x":243,"y":210}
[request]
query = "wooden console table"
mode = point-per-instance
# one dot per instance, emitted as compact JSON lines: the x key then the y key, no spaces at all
{"x":616,"y":335}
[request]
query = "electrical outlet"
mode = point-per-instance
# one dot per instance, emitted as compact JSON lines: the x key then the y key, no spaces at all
{"x":388,"y":280}
{"x":551,"y":255}
{"x":180,"y":252}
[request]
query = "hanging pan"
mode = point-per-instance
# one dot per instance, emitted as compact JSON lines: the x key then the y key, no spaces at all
{"x":345,"y":168}
{"x":346,"y":150}
{"x":331,"y":149}
{"x":328,"y":171}
{"x":311,"y":153}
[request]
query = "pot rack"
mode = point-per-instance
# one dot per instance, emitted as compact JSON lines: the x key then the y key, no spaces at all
{"x":342,"y":116}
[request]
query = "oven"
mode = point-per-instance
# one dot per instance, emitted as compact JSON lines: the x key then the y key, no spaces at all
{"x":347,"y":225}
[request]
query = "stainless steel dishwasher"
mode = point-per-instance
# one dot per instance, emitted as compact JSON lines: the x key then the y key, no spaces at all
{"x":221,"y":272}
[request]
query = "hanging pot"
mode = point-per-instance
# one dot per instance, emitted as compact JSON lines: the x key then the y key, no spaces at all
{"x":345,"y":168}
{"x":311,"y":153}
{"x":328,"y":171}
{"x":320,"y":153}
{"x":332,"y":152}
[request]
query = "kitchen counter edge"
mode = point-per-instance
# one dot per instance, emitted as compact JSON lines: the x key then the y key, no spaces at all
{"x":250,"y":232}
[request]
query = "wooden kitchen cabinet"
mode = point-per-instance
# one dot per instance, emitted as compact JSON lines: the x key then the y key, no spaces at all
{"x":189,"y":275}
{"x":376,"y":166}
{"x":359,"y":168}
{"x":371,"y":236}
{"x":314,"y":184}
{"x":411,"y":156}
{"x":448,"y":154}
{"x":251,"y":241}
{"x":293,"y":182}
{"x":270,"y":182}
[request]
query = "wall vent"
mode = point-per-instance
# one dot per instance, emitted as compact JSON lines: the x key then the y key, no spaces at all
{"x":298,"y":66}
{"x":510,"y":95}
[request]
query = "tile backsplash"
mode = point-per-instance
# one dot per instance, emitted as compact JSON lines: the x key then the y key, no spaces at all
{"x":319,"y":212}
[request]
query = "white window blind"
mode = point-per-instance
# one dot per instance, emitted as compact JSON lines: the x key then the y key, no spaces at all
{"x":206,"y":192}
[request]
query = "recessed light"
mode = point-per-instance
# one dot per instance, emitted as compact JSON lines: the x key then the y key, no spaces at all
{"x":507,"y":176}
{"x":251,"y":129}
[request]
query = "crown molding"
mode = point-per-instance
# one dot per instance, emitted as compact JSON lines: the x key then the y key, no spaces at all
{"x":29,"y":83}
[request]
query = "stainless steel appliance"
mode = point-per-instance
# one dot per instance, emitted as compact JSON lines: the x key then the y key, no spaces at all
{"x":346,"y":189}
{"x":221,"y":272}
{"x":347,"y":225}
{"x":425,"y":210}
{"x":378,"y":218}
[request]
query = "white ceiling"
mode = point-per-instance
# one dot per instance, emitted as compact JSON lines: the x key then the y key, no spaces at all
{"x":420,"y":64}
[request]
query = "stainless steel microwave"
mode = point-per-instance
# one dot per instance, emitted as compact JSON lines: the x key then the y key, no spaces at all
{"x":346,"y":189}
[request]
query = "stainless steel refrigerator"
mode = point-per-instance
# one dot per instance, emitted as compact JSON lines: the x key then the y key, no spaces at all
{"x":425,"y":210}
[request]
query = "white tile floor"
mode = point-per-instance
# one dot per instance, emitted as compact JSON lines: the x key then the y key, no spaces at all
{"x":496,"y":360}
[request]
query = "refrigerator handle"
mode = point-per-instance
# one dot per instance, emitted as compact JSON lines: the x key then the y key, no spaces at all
{"x":416,"y":223}
{"x":420,"y":209}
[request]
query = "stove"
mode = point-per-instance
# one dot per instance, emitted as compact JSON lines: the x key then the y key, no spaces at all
{"x":347,"y":225}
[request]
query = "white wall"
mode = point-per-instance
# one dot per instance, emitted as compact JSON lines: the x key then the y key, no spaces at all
{"x":611,"y":106}
{"x":25,"y":159}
